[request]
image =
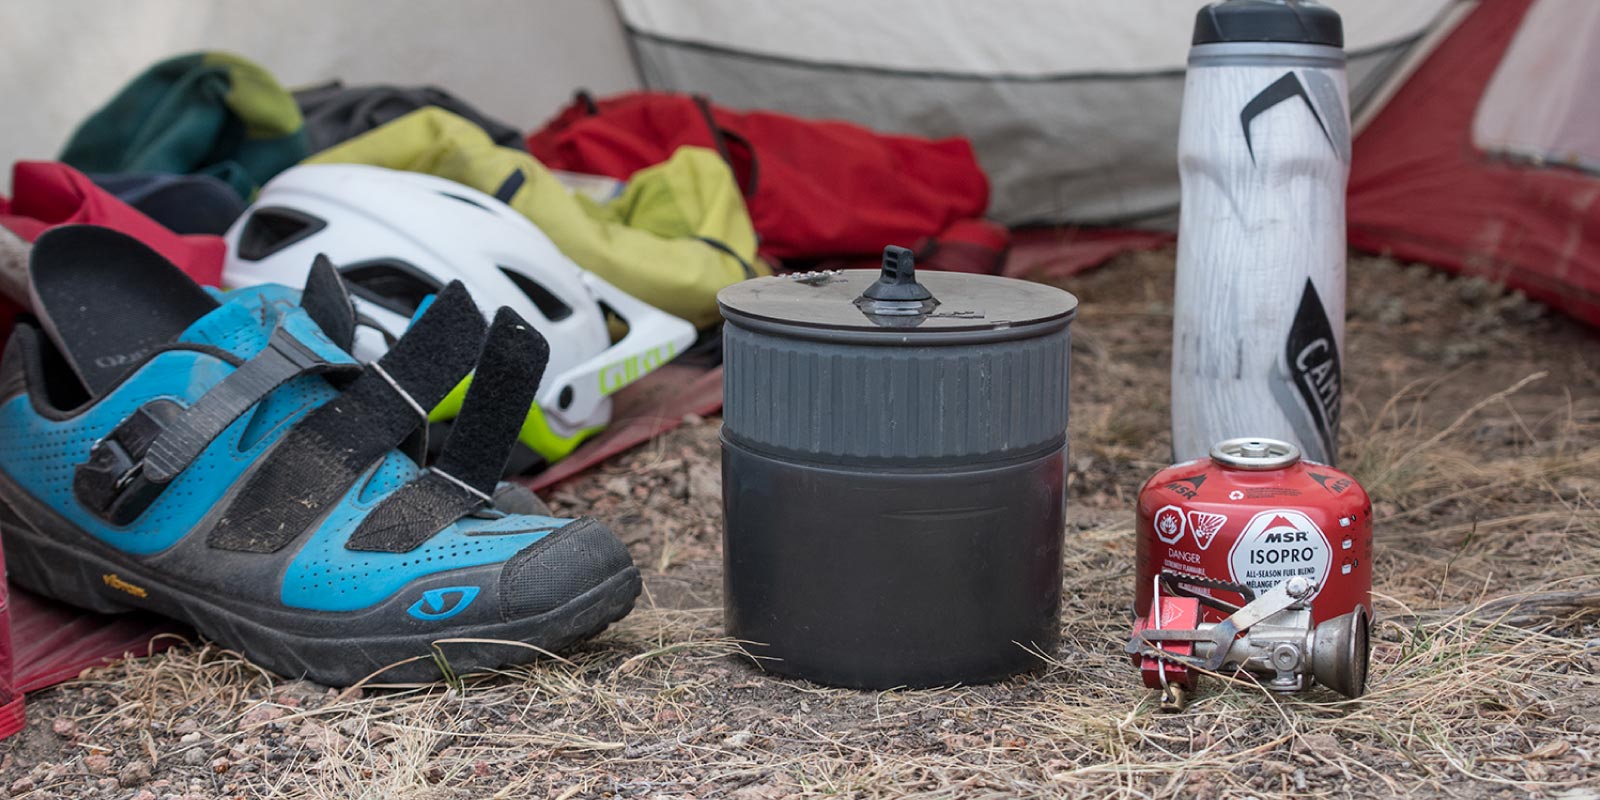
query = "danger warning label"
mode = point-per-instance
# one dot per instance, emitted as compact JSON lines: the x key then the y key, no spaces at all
{"x":1169,"y":524}
{"x":1278,"y":545}
{"x":1204,"y":526}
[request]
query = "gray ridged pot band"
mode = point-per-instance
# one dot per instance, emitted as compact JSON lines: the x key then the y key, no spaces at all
{"x":788,"y":392}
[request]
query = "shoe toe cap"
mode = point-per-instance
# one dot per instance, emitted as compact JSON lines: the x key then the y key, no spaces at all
{"x":560,"y":567}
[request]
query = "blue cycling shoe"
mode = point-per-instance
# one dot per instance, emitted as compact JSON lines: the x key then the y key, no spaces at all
{"x":229,"y":464}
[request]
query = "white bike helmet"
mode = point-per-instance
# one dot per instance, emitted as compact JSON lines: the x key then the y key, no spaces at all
{"x":400,"y":237}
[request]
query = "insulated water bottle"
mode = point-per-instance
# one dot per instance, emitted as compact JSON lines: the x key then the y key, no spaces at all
{"x":1264,"y":154}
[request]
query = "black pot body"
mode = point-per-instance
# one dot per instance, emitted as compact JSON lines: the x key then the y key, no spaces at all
{"x":894,"y":499}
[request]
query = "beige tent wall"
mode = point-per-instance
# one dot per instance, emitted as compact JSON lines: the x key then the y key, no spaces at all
{"x":517,"y":60}
{"x":1072,"y":105}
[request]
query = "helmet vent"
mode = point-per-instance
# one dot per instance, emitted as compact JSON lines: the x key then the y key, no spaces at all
{"x":548,"y":304}
{"x":390,"y":283}
{"x":272,"y":228}
{"x":469,"y":201}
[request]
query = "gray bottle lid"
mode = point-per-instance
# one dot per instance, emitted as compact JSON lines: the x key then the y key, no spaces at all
{"x":897,"y":303}
{"x":1288,"y":21}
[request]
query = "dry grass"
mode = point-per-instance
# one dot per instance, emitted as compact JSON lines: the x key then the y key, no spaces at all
{"x":1486,"y":664}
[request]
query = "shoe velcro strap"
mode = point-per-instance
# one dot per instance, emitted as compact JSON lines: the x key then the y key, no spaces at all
{"x":327,"y":300}
{"x":322,"y":456}
{"x":285,"y":358}
{"x":468,"y":469}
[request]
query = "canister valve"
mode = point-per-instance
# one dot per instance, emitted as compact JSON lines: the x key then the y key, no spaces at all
{"x":1271,"y":637}
{"x":896,"y":293}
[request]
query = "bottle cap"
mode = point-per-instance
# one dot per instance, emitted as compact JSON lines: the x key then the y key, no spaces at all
{"x":1287,"y":21}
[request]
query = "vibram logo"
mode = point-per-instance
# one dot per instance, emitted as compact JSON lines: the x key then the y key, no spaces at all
{"x":111,"y":580}
{"x":443,"y":603}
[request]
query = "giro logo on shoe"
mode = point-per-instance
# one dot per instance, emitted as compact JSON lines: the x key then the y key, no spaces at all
{"x":437,"y":604}
{"x":120,"y":359}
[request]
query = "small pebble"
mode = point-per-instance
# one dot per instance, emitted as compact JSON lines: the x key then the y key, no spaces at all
{"x":134,"y":773}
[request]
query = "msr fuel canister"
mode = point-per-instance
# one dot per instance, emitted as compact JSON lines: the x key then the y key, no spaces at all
{"x":1254,"y":513}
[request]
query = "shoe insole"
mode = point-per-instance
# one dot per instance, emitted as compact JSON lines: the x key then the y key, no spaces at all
{"x":106,"y":300}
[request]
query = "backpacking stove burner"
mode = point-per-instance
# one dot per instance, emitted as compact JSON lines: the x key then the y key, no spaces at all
{"x":1271,"y":637}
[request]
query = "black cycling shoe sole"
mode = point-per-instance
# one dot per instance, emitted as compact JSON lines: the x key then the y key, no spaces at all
{"x":100,"y":582}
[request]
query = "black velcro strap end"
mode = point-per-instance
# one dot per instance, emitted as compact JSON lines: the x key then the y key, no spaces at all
{"x":326,"y":300}
{"x":413,"y":515}
{"x":438,"y":350}
{"x":467,"y":472}
{"x":502,"y":390}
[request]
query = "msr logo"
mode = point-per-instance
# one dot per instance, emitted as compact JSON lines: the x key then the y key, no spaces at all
{"x":1277,"y":545}
{"x":1332,"y":484}
{"x":1285,"y":537}
{"x":1186,"y":487}
{"x":618,"y":374}
{"x":437,"y":604}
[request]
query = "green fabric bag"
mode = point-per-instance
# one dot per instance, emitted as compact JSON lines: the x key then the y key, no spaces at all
{"x":208,"y":113}
{"x":677,"y":234}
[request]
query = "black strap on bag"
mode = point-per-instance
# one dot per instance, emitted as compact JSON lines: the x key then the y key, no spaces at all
{"x":725,"y":140}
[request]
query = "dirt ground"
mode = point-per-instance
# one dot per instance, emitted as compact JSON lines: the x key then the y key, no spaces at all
{"x":1472,"y":416}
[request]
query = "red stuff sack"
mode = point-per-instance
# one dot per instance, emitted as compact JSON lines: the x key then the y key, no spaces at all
{"x":47,"y":194}
{"x":814,"y":188}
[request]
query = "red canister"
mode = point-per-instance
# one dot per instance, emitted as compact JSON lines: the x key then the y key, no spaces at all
{"x":1255,"y":513}
{"x":10,"y":699}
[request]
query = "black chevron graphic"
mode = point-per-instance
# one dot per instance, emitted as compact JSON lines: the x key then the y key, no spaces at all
{"x":1284,"y":88}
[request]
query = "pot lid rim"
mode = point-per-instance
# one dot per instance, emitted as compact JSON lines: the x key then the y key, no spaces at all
{"x":832,"y":307}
